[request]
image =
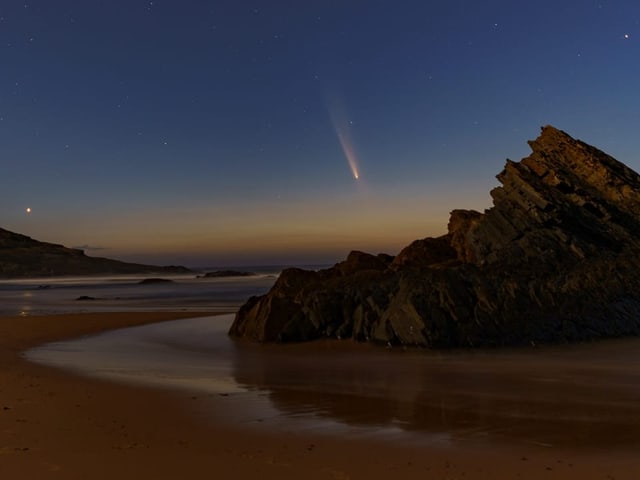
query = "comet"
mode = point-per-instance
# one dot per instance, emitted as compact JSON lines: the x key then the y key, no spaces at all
{"x":349,"y":152}
{"x":341,"y":126}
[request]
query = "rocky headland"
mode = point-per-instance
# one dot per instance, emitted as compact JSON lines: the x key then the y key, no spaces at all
{"x":556,"y":259}
{"x":22,"y":256}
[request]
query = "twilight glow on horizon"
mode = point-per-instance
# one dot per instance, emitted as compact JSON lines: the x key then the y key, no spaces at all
{"x":267,"y":132}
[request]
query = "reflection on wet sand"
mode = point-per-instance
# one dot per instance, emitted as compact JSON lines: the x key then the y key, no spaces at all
{"x":581,"y":395}
{"x":585,"y":395}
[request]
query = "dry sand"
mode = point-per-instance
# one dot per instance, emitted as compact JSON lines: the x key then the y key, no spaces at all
{"x":54,"y":424}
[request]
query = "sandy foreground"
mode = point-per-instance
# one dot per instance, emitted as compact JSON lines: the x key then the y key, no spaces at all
{"x":54,"y":424}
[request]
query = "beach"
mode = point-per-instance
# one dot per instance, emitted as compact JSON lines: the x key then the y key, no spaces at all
{"x":56,"y":424}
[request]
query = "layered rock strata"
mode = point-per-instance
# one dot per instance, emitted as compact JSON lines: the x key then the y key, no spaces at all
{"x":556,"y":259}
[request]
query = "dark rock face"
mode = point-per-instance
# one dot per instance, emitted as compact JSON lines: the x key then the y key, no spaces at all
{"x":556,"y":259}
{"x":22,"y":256}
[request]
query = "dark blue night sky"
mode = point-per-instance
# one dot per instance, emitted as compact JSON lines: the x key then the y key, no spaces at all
{"x":230,"y":132}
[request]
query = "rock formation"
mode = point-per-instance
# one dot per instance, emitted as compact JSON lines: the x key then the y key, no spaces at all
{"x":556,"y":259}
{"x":22,"y":256}
{"x":227,"y":273}
{"x":154,"y":281}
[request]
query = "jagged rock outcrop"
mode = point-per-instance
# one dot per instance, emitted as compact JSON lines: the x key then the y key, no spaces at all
{"x":557,"y":258}
{"x":22,"y":256}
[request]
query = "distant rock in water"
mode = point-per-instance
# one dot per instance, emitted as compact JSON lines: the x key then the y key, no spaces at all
{"x":152,"y":281}
{"x":22,"y":256}
{"x":556,"y":259}
{"x":83,"y":298}
{"x":227,"y":273}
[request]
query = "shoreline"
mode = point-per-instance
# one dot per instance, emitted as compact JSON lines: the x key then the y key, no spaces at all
{"x":56,"y":424}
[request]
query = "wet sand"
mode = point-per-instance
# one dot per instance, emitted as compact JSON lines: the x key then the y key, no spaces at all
{"x":55,"y":424}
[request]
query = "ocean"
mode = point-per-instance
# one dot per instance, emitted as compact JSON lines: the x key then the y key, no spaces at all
{"x":125,"y":293}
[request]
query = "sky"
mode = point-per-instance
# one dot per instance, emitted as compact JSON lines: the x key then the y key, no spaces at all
{"x":240,"y":132}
